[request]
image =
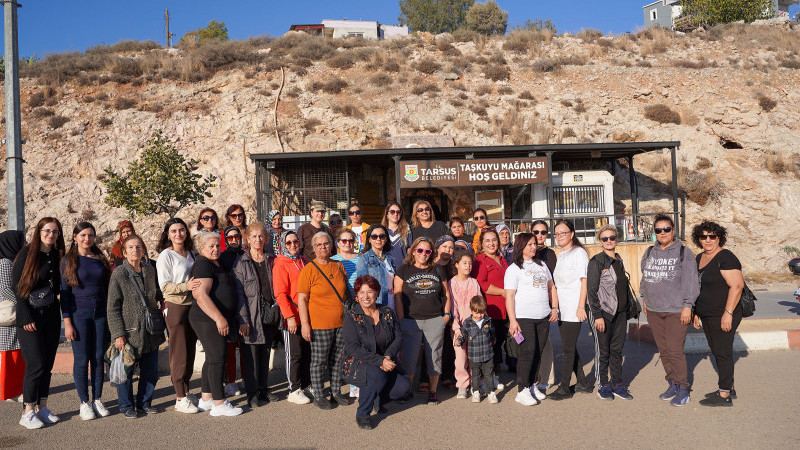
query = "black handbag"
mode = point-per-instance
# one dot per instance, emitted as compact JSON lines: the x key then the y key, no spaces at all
{"x":634,"y":305}
{"x":154,"y":322}
{"x":44,"y":296}
{"x":748,"y":302}
{"x":270,"y":312}
{"x":512,"y":348}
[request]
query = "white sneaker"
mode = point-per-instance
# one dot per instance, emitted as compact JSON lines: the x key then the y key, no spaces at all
{"x":225,"y":409}
{"x":462,"y":393}
{"x":498,"y":386}
{"x":199,"y":347}
{"x":185,"y":405}
{"x":192,"y":399}
{"x":476,"y":396}
{"x":30,"y":421}
{"x":525,"y":398}
{"x":100,"y":408}
{"x":232,"y":389}
{"x":203,"y":405}
{"x":87,"y":413}
{"x":492,"y":398}
{"x":298,"y":398}
{"x":47,"y":416}
{"x":538,"y":394}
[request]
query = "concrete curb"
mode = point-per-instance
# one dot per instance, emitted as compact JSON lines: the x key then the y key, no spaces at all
{"x":749,"y":337}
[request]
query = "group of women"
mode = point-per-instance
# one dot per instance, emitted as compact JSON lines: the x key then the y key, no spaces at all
{"x":370,"y":306}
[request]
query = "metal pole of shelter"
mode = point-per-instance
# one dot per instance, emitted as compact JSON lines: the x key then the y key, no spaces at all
{"x":15,"y":194}
{"x":673,"y":152}
{"x":550,"y":203}
{"x":634,"y":195}
{"x":396,"y":159}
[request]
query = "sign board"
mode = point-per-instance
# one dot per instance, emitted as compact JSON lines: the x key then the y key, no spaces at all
{"x":472,"y":172}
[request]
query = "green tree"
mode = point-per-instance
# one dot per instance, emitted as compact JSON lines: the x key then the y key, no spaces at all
{"x":537,"y":25}
{"x":707,"y":13}
{"x":213,"y":31}
{"x":434,"y":16}
{"x":487,"y":18}
{"x":161,"y":181}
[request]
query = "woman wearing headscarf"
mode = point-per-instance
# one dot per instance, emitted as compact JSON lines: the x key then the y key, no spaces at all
{"x":285,"y":272}
{"x":234,"y":217}
{"x":124,"y":229}
{"x":11,"y":242}
{"x":506,"y":244}
{"x":274,"y":228}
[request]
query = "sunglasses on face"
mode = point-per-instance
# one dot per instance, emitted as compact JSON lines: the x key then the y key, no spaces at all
{"x":395,"y":211}
{"x":347,"y":241}
{"x":477,"y":218}
{"x":295,"y":242}
{"x":663,"y":230}
{"x":425,"y":209}
{"x":208,"y":218}
{"x":233,"y":236}
{"x":378,"y":236}
{"x":424,"y":251}
{"x":710,"y":237}
{"x":356,"y":212}
{"x":608,"y":238}
{"x":539,"y":233}
{"x":237,"y":216}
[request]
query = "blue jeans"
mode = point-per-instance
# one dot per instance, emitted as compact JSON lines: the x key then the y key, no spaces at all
{"x":383,"y":386}
{"x":148,"y":375}
{"x":88,"y":352}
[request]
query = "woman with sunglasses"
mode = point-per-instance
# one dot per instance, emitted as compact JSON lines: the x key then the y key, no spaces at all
{"x":718,"y":309}
{"x":285,"y":272}
{"x":207,"y":221}
{"x":457,"y":230}
{"x":570,"y":280}
{"x":489,"y":269}
{"x":481,"y":222}
{"x":234,"y":217}
{"x":376,"y":260}
{"x":398,"y":231}
{"x":607,"y":287}
{"x":423,"y":224}
{"x":232,"y":236}
{"x":346,"y":241}
{"x":274,"y":227}
{"x":548,"y":256}
{"x":355,"y":211}
{"x":335,"y":222}
{"x":424,"y":310}
{"x":669,"y":289}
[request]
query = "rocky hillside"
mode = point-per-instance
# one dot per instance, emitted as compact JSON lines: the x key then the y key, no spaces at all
{"x":731,"y":95}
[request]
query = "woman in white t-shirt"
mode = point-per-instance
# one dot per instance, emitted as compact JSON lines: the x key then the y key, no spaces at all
{"x":531,"y":304}
{"x":570,"y":280}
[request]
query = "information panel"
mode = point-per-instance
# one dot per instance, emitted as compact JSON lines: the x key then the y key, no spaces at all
{"x":472,"y":172}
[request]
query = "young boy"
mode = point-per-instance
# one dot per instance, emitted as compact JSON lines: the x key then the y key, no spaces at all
{"x":478,"y":332}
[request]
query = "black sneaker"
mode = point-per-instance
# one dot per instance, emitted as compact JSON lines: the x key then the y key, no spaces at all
{"x":131,"y":414}
{"x":341,"y":399}
{"x":584,"y":388}
{"x":323,"y":403}
{"x":433,"y":399}
{"x":560,"y":394}
{"x":147,"y":409}
{"x":364,"y":423}
{"x":717,"y":400}
{"x":712,"y":394}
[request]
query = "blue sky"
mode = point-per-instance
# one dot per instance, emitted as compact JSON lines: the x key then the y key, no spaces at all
{"x":53,"y":26}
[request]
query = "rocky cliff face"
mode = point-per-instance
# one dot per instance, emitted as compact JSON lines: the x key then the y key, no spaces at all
{"x":730,"y":95}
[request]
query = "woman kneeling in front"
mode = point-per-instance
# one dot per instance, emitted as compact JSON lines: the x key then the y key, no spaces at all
{"x":372,"y":339}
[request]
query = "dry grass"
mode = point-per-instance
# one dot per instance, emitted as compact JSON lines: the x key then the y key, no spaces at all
{"x":776,"y":163}
{"x":505,"y":90}
{"x":348,"y":108}
{"x":42,"y":112}
{"x":36,"y":99}
{"x":568,"y":133}
{"x":523,"y":41}
{"x":526,"y":95}
{"x":589,"y":35}
{"x":703,"y":163}
{"x":124,"y":103}
{"x":662,"y":113}
{"x":422,"y":88}
{"x":104,"y":122}
{"x":699,"y":63}
{"x":311,"y":123}
{"x":497,"y":72}
{"x":332,"y":86}
{"x":341,"y":60}
{"x":381,"y":79}
{"x":56,"y":122}
{"x":483,"y":89}
{"x":756,"y":37}
{"x":427,"y":65}
{"x":765,"y":102}
{"x":699,"y":187}
{"x":654,"y":40}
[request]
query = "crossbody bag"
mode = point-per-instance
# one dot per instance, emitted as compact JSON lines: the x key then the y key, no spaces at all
{"x":347,"y":300}
{"x":154,"y":322}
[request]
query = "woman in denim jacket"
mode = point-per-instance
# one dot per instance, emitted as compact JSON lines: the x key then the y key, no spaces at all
{"x":376,"y":261}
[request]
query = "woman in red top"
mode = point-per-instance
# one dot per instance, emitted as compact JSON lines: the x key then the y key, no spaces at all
{"x":489,"y":269}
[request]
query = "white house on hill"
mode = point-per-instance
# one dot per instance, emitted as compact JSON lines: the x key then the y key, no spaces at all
{"x":664,"y":12}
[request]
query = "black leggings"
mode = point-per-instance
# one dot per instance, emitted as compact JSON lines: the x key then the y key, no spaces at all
{"x":214,"y":346}
{"x":721,"y":344}
{"x":298,"y":360}
{"x":39,"y":352}
{"x":572,"y":361}
{"x":536,"y":333}
{"x":255,"y":364}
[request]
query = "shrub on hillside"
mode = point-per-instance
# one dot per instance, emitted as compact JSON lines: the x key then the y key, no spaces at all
{"x":766,"y":103}
{"x":483,"y":89}
{"x":42,"y":112}
{"x":487,"y":18}
{"x":699,"y":187}
{"x":381,"y":79}
{"x":420,"y":89}
{"x":497,"y":72}
{"x":104,"y":122}
{"x":37,"y":99}
{"x":589,"y":35}
{"x":125,"y":66}
{"x":545,"y":65}
{"x":123,"y":46}
{"x":526,"y":95}
{"x":662,"y":113}
{"x":341,"y":60}
{"x":332,"y":86}
{"x":56,"y":122}
{"x":349,"y":109}
{"x":124,"y":103}
{"x":427,"y":65}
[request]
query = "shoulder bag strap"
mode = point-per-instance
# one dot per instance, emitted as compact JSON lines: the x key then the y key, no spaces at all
{"x":132,"y":277}
{"x":341,"y":299}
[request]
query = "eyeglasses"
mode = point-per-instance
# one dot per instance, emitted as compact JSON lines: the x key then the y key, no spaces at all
{"x":711,"y":237}
{"x":423,"y":251}
{"x":425,"y":209}
{"x":378,"y":236}
{"x":347,"y":241}
{"x":295,"y":242}
{"x":562,"y":234}
{"x":663,"y":230}
{"x":208,"y":218}
{"x":236,"y":216}
{"x":233,"y":236}
{"x":395,"y":211}
{"x":46,"y":231}
{"x":477,"y":218}
{"x":539,"y":232}
{"x":335,"y":222}
{"x":608,"y":238}
{"x":356,"y":212}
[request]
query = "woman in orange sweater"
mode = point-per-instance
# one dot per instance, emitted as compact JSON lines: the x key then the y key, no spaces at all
{"x":285,"y":273}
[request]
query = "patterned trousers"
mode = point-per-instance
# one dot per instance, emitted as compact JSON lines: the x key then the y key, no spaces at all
{"x":326,"y":354}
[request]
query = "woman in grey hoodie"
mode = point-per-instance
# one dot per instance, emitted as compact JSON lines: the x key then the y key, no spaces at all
{"x":669,"y":287}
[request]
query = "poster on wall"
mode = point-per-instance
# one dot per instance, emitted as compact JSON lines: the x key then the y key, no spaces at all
{"x":472,"y":172}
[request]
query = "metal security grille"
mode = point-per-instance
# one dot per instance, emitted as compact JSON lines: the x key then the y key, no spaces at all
{"x":294,"y":185}
{"x":578,"y":200}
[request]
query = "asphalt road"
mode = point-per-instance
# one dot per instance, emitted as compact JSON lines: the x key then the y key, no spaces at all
{"x":765,"y":415}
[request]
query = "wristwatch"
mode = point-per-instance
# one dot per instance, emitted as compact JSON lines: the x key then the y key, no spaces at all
{"x":557,"y":310}
{"x":448,"y":314}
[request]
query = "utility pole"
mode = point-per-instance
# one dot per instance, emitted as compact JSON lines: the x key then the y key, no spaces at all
{"x":15,"y":195}
{"x":169,"y":35}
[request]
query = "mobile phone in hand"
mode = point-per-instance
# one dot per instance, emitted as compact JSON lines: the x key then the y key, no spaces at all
{"x":519,"y":337}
